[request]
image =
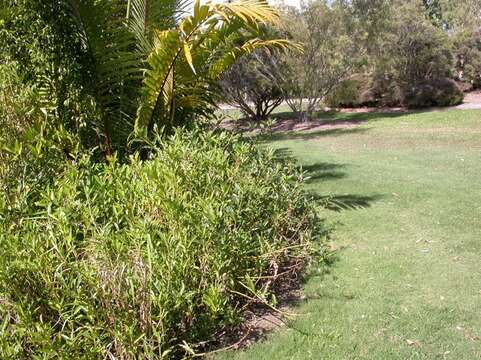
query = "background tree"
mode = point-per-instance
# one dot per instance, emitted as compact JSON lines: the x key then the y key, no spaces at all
{"x":248,"y":85}
{"x":419,"y":50}
{"x":410,"y":45}
{"x":331,"y":53}
{"x":461,"y":14}
{"x":464,"y":27}
{"x":467,"y":52}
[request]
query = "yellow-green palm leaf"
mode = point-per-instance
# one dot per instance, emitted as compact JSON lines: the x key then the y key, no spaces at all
{"x":187,"y":61}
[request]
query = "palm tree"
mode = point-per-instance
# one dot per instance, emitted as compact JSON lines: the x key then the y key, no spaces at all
{"x":151,"y":65}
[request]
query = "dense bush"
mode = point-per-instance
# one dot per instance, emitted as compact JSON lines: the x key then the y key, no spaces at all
{"x":137,"y":260}
{"x":18,"y":103}
{"x":442,"y":92}
{"x":31,"y":152}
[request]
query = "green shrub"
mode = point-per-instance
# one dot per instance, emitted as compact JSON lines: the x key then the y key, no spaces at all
{"x":32,"y":147}
{"x":355,"y":92}
{"x":441,"y":92}
{"x":137,"y":260}
{"x":19,"y":104}
{"x":346,"y":95}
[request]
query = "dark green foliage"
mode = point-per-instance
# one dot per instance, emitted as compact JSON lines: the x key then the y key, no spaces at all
{"x":434,"y":11}
{"x":440,"y":92}
{"x":34,"y":144}
{"x":40,"y":49}
{"x":129,"y":261}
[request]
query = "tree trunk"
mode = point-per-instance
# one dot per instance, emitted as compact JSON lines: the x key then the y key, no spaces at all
{"x":303,"y":116}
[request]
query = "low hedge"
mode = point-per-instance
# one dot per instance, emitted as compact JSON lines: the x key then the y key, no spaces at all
{"x":439,"y":92}
{"x":142,"y":260}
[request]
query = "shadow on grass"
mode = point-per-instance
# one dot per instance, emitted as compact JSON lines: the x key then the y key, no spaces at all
{"x":284,"y":153}
{"x":323,"y":171}
{"x":287,"y":127}
{"x":346,"y":202}
{"x":335,"y":117}
{"x":314,"y":172}
{"x":311,"y":135}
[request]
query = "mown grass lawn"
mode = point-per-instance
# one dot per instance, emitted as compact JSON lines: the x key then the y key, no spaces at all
{"x":407,"y":283}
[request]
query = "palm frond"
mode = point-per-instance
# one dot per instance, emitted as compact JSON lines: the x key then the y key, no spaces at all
{"x":161,"y":67}
{"x":185,"y":63}
{"x":144,"y":17}
{"x":115,"y":68}
{"x":252,"y":12}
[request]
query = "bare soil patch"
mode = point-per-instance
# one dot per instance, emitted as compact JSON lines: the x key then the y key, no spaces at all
{"x":259,"y":319}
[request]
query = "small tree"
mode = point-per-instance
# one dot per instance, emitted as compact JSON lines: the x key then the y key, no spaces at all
{"x":332,"y":52}
{"x":248,"y":85}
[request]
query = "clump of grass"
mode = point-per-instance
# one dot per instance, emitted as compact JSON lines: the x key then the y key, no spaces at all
{"x":140,"y":260}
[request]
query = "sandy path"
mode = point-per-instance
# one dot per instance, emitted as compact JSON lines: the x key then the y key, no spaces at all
{"x":471,"y":101}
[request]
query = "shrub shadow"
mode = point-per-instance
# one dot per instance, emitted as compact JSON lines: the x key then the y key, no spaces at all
{"x":312,"y":134}
{"x":323,"y":171}
{"x":313,"y":172}
{"x":346,"y":201}
{"x":284,"y":153}
{"x":336,"y":117}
